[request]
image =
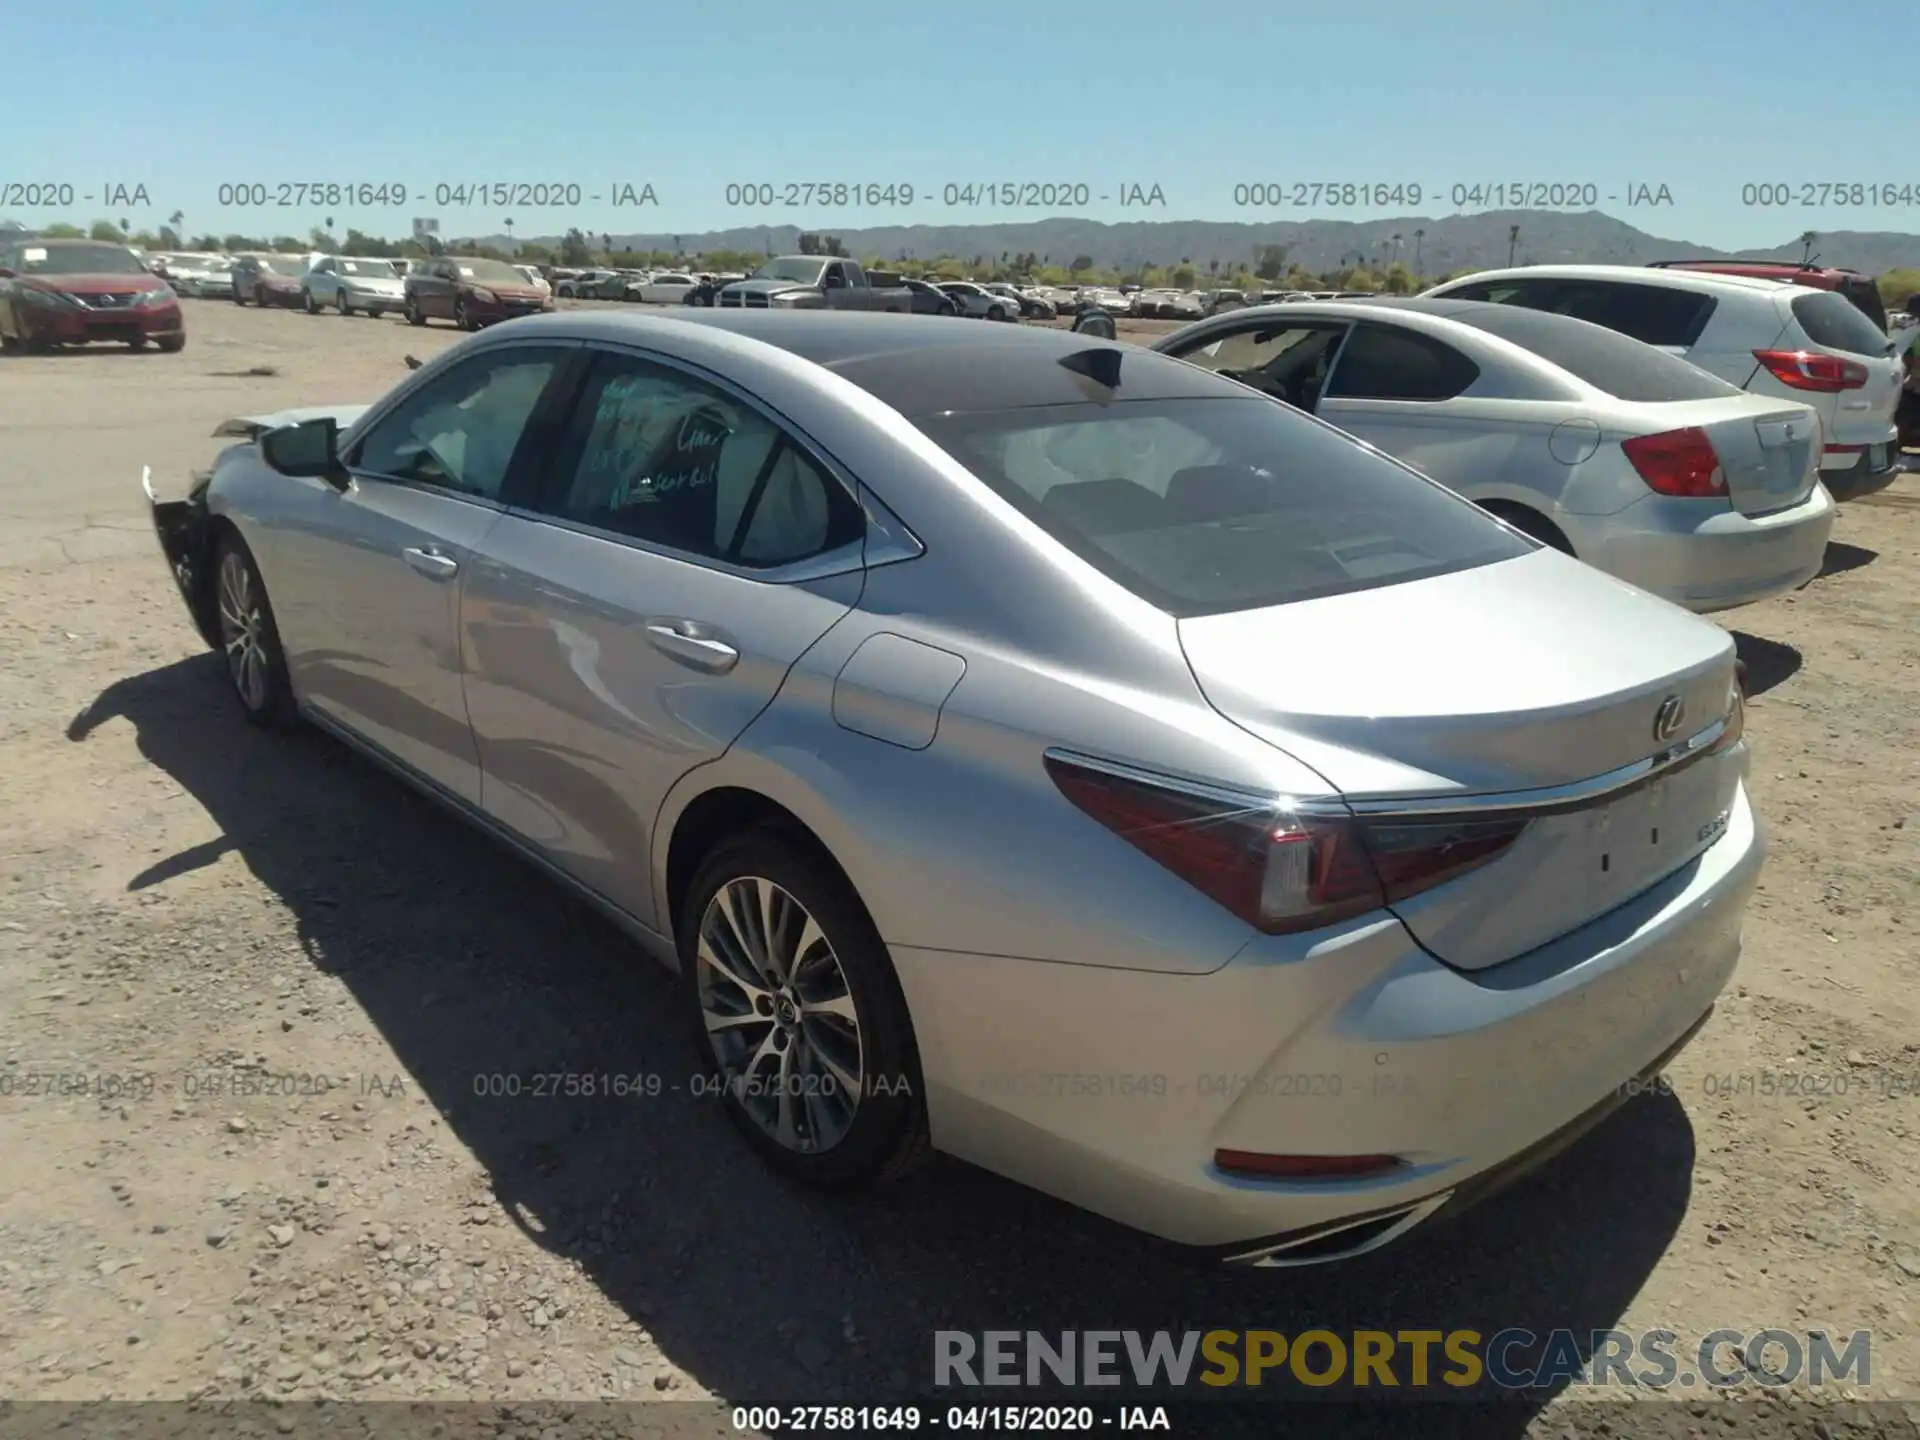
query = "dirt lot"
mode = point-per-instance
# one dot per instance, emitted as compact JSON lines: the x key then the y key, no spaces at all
{"x":190,"y":910}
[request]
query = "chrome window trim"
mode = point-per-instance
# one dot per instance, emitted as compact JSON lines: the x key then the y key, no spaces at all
{"x":1546,"y":800}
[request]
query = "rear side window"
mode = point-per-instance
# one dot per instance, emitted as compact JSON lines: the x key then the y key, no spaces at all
{"x":1651,"y":314}
{"x":1203,"y":506}
{"x":1833,"y":322}
{"x":1382,"y":363}
{"x":1605,"y":359}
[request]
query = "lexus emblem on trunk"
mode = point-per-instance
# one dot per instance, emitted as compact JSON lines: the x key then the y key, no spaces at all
{"x":1668,"y":718}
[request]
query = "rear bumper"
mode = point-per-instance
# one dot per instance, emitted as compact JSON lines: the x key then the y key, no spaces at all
{"x":1870,"y":473}
{"x":1113,"y":1089}
{"x":1706,"y":556}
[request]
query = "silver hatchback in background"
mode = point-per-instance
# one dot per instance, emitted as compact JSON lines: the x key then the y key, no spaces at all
{"x":1022,"y":745}
{"x":1628,"y":458}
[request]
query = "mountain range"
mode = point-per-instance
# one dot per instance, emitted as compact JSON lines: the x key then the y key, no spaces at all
{"x":1449,"y":243}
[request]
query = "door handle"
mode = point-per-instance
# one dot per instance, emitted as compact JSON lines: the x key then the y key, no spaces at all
{"x":693,"y":644}
{"x":431,"y":563}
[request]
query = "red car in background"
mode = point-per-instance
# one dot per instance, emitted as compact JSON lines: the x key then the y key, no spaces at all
{"x":471,"y":292}
{"x":267,"y":280}
{"x":79,"y":292}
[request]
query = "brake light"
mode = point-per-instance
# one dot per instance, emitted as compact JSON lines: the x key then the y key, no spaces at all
{"x":1281,"y":872}
{"x":1680,"y":463}
{"x":1808,"y":370}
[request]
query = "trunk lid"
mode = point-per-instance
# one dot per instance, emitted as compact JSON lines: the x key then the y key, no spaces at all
{"x":1769,"y":449}
{"x":1528,"y":675}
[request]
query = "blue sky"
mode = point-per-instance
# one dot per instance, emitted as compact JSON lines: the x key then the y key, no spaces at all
{"x":1701,"y":96}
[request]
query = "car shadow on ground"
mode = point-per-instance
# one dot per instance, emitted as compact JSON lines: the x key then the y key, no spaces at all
{"x":1768,"y":662}
{"x":1842,"y":557}
{"x":472,"y":966}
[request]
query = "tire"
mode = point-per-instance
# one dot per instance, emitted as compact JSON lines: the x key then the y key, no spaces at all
{"x":1532,"y":524}
{"x":10,"y":344}
{"x":249,"y":639}
{"x":995,"y":312}
{"x":139,"y":342}
{"x":238,"y":298}
{"x":340,"y":304}
{"x":461,"y":318}
{"x":172,"y":344}
{"x":412,"y":312}
{"x":260,"y":296}
{"x":947,"y":309}
{"x":307,"y":302}
{"x":827,"y":1144}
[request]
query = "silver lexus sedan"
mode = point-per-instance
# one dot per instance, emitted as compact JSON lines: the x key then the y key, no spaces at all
{"x":1023,"y":746}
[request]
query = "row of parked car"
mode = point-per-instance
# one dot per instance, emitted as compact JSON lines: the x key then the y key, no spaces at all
{"x":1268,"y":715}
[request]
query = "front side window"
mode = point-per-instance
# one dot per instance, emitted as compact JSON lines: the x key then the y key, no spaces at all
{"x":460,"y":430}
{"x":1288,"y":362}
{"x":1202,"y":506}
{"x":657,"y":455}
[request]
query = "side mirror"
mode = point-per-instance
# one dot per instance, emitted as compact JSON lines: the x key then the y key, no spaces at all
{"x":834,"y":282}
{"x":309,"y":449}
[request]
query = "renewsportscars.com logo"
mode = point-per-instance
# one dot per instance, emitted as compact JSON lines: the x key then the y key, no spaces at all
{"x":1440,"y":1360}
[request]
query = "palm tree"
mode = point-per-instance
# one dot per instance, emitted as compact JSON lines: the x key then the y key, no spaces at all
{"x":1396,"y":246}
{"x":509,"y":224}
{"x":1513,"y":242}
{"x":1806,"y":246}
{"x":1418,"y":236}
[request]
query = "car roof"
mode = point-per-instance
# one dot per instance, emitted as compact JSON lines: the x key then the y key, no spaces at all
{"x":1707,"y":281}
{"x":923,"y":364}
{"x":1765,"y":269}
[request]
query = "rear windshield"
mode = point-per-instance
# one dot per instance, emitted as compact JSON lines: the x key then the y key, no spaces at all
{"x":1612,"y":363}
{"x":1865,"y":296}
{"x":1834,"y":322}
{"x":1206,"y":506}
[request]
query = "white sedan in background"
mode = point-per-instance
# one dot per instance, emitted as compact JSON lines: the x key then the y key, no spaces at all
{"x":1612,"y":451}
{"x":669,"y":287}
{"x":351,"y":284}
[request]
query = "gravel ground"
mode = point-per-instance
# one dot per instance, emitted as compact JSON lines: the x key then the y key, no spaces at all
{"x":278,"y":974}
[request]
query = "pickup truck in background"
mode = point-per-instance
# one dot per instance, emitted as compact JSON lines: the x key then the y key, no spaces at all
{"x":814,"y":282}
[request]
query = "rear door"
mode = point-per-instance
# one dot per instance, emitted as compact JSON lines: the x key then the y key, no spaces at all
{"x":684,"y":550}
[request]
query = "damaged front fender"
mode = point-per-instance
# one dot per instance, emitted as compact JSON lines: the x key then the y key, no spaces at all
{"x":185,"y":540}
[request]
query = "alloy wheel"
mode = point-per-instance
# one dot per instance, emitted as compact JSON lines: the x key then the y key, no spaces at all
{"x":780,"y":1016}
{"x":243,"y":631}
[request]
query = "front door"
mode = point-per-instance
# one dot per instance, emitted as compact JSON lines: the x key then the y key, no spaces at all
{"x":366,"y":579}
{"x":684,"y":551}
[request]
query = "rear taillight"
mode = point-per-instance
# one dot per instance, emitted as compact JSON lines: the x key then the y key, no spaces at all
{"x":1681,"y":463}
{"x":1808,"y":370}
{"x":1280,"y":871}
{"x":1736,"y":723}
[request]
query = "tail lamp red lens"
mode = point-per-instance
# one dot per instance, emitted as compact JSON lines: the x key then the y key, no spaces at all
{"x":1810,"y":370}
{"x":1681,"y":463}
{"x":1281,"y":872}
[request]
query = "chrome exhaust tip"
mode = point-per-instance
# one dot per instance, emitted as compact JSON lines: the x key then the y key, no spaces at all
{"x":1340,"y":1240}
